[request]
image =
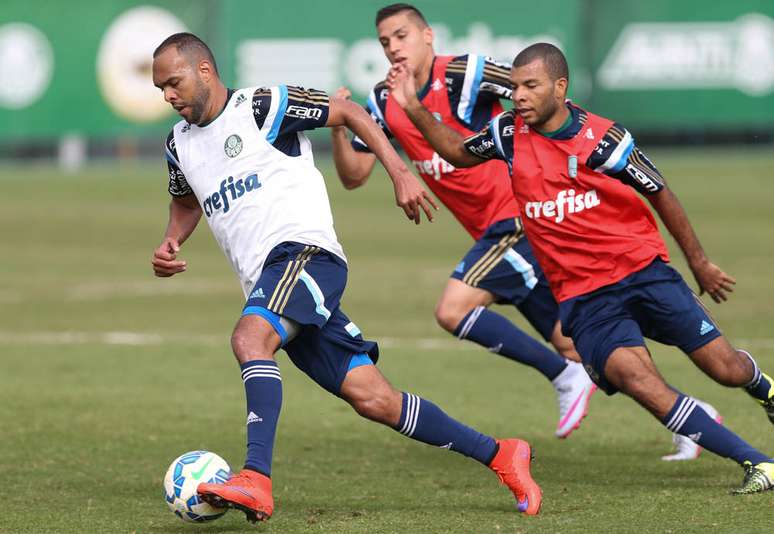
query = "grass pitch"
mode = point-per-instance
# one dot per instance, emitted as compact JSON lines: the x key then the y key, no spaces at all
{"x":107,"y":373}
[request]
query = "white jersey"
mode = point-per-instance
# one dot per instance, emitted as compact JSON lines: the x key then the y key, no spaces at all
{"x":254,"y":195}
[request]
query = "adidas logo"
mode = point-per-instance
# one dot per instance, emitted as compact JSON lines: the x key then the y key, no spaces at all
{"x":252,"y":418}
{"x":448,"y":446}
{"x":496,"y":349}
{"x":258,"y":294}
{"x":589,"y":134}
{"x":706,"y":328}
{"x":460,"y":267}
{"x":437,"y":84}
{"x":523,"y":129}
{"x":695,"y":437}
{"x":240,"y":99}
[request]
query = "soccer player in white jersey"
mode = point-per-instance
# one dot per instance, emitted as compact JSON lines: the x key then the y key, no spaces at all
{"x":241,"y":159}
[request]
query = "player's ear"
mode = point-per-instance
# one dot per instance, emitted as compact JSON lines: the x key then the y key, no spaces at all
{"x":206,"y":70}
{"x":427,"y":35}
{"x":560,"y":88}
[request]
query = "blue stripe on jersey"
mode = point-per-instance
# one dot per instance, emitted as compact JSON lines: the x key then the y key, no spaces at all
{"x":624,"y":156}
{"x":494,"y":131}
{"x":280,"y":113}
{"x":170,"y":158}
{"x":373,"y":107}
{"x":476,"y":86}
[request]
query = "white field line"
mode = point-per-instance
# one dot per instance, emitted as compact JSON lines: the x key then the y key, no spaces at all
{"x":155,"y":338}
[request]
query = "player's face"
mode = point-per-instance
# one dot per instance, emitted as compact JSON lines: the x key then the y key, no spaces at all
{"x":182,"y":85}
{"x":536,"y":97}
{"x":403,"y":38}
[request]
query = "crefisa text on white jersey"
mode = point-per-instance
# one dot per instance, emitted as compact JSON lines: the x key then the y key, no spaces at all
{"x":232,"y":190}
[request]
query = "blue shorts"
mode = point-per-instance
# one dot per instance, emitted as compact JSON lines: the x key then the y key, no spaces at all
{"x":305,"y":283}
{"x":654,"y":302}
{"x":502,"y":262}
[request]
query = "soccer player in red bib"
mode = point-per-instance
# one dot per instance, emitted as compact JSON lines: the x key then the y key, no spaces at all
{"x":576,"y":176}
{"x":464,"y":93}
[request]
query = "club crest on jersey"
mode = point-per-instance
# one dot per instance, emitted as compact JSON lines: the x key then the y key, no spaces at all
{"x":233,"y":145}
{"x":572,"y":166}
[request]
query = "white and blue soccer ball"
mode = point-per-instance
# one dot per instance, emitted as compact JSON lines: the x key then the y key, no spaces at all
{"x":184,"y":475}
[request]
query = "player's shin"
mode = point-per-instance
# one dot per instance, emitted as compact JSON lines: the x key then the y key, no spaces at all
{"x":689,"y":419}
{"x":761,"y":386}
{"x":423,"y":421}
{"x":263,"y":392}
{"x":499,"y":335}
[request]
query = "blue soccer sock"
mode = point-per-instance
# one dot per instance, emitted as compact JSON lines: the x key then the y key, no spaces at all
{"x":499,"y":335}
{"x":423,"y":421}
{"x":689,"y":419}
{"x":263,"y":390}
{"x":760,"y":387}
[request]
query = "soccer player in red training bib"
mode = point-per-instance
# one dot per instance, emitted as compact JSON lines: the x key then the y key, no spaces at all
{"x":576,"y":176}
{"x":464,"y":92}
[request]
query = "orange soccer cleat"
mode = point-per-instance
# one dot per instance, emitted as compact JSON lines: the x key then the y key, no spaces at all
{"x":248,"y":491}
{"x":511,"y":465}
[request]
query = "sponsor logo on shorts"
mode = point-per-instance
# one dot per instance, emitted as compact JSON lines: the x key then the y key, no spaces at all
{"x":706,"y":328}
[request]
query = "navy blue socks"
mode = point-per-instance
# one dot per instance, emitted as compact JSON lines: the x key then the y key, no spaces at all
{"x":423,"y":421}
{"x":499,"y":335}
{"x":689,"y":419}
{"x":263,"y":390}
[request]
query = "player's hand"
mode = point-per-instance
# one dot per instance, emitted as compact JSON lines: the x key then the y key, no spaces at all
{"x":165,"y":262}
{"x":713,"y":280}
{"x":344,"y":93}
{"x":411,"y":196}
{"x":400,"y":82}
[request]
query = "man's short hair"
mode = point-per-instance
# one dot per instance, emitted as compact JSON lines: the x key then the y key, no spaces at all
{"x":394,"y":9}
{"x":189,"y":45}
{"x":556,"y":63}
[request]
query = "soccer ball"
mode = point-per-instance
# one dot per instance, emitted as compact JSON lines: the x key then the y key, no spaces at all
{"x":182,"y":478}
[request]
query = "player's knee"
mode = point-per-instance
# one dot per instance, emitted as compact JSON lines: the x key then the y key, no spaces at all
{"x":377,"y":406}
{"x":449,"y":316}
{"x":252,"y":343}
{"x":640,"y":384}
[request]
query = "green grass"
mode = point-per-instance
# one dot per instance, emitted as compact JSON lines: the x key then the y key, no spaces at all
{"x":107,"y":373}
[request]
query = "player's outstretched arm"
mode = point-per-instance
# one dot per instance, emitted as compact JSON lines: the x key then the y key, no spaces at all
{"x":448,"y":143}
{"x":409,"y":193}
{"x":353,"y":167}
{"x":184,"y":215}
{"x":709,"y":276}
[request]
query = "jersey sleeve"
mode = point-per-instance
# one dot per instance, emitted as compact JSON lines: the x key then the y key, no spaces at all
{"x":287,"y":109}
{"x":617,"y":155}
{"x":474,"y":83}
{"x":376,"y":106}
{"x":178,"y":185}
{"x":495,"y":141}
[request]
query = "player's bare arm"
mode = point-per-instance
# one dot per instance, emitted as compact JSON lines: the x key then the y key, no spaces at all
{"x":448,"y":143}
{"x":184,"y":215}
{"x":409,"y":193}
{"x":353,"y":167}
{"x":709,"y":276}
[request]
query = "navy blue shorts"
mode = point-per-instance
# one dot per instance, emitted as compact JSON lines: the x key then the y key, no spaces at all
{"x":305,"y":283}
{"x":502,"y":262}
{"x":654,"y":302}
